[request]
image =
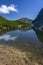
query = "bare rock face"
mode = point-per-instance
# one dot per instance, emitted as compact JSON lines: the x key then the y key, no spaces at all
{"x":13,"y":56}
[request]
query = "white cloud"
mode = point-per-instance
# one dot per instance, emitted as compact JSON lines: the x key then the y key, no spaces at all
{"x":6,"y":9}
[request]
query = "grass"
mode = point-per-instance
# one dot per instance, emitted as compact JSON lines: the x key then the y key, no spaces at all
{"x":9,"y":23}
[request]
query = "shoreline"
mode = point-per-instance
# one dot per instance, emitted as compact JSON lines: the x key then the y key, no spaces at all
{"x":12,"y":56}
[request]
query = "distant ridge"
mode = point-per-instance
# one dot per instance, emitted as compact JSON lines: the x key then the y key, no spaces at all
{"x":26,"y":20}
{"x":8,"y":22}
{"x":13,"y":24}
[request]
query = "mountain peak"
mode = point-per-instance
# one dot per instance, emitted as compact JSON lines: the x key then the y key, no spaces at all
{"x":41,"y":10}
{"x":26,"y":20}
{"x":38,"y":22}
{"x":41,"y":13}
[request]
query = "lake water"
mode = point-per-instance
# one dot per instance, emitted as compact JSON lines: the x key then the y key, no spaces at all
{"x":21,"y":39}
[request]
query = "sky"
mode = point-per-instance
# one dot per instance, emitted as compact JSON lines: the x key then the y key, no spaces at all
{"x":15,"y":9}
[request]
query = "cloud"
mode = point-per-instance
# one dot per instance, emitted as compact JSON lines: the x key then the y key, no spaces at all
{"x":6,"y":9}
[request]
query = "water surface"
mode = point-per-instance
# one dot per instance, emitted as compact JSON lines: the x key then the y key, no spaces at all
{"x":22,"y":39}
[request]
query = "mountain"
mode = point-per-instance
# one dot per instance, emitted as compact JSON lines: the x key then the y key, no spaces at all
{"x":12,"y":24}
{"x":38,"y":22}
{"x":26,"y":20}
{"x":4,"y":21}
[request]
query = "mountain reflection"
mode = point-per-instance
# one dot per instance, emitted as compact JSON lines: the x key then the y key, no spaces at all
{"x":39,"y":35}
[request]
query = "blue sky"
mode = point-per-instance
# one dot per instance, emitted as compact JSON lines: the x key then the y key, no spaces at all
{"x":21,"y":8}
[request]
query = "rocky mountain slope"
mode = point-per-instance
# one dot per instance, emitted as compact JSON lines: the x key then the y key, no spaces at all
{"x":38,"y":22}
{"x":26,"y":20}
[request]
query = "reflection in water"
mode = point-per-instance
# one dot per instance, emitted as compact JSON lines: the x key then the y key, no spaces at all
{"x":25,"y":29}
{"x":7,"y":37}
{"x":39,"y":35}
{"x":23,"y":39}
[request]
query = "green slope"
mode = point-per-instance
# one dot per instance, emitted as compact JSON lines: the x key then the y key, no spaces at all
{"x":5,"y":22}
{"x":8,"y":25}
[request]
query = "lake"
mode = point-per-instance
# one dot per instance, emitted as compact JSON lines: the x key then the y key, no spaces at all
{"x":26,"y":39}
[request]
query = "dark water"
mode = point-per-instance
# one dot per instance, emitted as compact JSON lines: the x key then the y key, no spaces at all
{"x":22,"y":39}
